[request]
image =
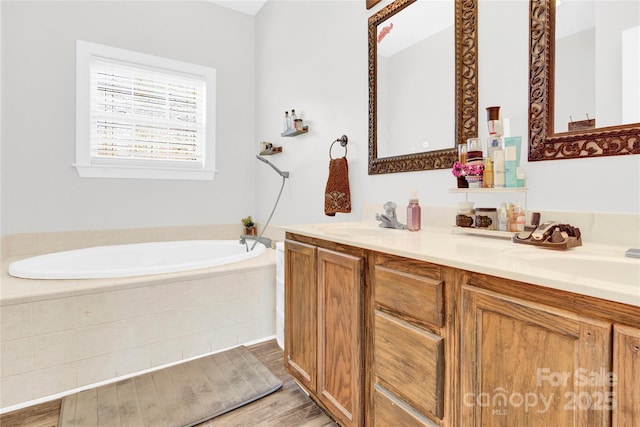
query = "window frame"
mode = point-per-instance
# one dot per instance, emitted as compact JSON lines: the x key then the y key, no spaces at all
{"x":99,"y":167}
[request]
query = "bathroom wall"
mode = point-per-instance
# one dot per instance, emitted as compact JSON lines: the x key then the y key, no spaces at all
{"x":41,"y":190}
{"x":308,"y":55}
{"x":312,"y":56}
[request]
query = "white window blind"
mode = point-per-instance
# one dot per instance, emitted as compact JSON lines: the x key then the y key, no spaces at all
{"x":143,"y":114}
{"x":146,"y":115}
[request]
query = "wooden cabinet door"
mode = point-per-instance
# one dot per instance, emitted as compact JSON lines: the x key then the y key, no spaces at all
{"x":300,"y":313}
{"x":525,"y":364}
{"x":626,"y":380}
{"x":339,"y":347}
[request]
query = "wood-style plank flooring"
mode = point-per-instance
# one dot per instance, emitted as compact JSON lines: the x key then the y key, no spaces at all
{"x":288,"y":407}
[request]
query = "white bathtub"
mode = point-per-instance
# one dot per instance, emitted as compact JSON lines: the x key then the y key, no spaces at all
{"x":133,"y":260}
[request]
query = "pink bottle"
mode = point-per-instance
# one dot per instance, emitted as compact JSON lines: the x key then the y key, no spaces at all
{"x":413,"y":212}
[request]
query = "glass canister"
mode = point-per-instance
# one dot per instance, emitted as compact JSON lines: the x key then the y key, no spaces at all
{"x":466,"y":214}
{"x":474,"y":150}
{"x":487,"y":218}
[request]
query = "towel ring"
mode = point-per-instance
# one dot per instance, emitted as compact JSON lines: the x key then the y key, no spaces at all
{"x":343,"y":142}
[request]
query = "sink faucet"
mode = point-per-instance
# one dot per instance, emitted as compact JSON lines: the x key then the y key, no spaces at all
{"x":389,"y":218}
{"x":632,"y":253}
{"x":244,"y":237}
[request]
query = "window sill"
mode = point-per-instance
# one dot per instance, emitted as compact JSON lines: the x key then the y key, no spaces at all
{"x":127,"y":172}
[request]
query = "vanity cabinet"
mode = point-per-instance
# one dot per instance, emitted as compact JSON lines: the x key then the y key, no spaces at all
{"x":323,"y":326}
{"x":626,"y":383}
{"x":524,"y":363}
{"x":408,"y":344}
{"x":383,"y":340}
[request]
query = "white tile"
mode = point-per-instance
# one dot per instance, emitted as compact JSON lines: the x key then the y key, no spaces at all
{"x":16,"y":389}
{"x":141,"y":331}
{"x":196,"y":344}
{"x":54,"y":349}
{"x":15,"y":321}
{"x":16,"y":357}
{"x":96,"y":340}
{"x":224,"y":313}
{"x":133,"y":302}
{"x":132,"y":360}
{"x":54,"y":380}
{"x":53,"y":315}
{"x":93,"y":309}
{"x":196,"y":319}
{"x":95,"y":369}
{"x":223,"y":338}
{"x":256,"y":329}
{"x":165,"y":352}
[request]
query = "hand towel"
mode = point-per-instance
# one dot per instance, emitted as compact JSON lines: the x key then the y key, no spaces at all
{"x":337,"y":196}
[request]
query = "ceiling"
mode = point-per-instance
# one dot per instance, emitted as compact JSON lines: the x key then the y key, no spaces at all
{"x":250,"y":7}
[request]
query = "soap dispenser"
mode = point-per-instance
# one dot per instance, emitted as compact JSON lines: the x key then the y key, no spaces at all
{"x":413,"y":212}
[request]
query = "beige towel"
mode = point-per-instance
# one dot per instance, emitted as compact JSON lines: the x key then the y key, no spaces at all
{"x":337,"y":196}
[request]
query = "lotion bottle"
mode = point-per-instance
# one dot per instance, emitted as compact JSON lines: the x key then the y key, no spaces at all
{"x":413,"y":212}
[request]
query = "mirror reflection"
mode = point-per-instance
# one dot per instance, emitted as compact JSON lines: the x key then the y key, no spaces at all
{"x":597,"y":52}
{"x":416,"y":79}
{"x":423,"y":84}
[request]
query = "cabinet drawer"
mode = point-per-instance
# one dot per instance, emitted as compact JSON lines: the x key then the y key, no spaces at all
{"x":416,"y":296}
{"x":390,"y":411}
{"x":409,"y":363}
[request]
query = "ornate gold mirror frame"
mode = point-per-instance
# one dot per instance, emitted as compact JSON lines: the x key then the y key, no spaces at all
{"x":466,"y":92}
{"x":544,"y":144}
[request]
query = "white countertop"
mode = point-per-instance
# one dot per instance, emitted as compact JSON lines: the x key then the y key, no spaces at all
{"x":595,"y":270}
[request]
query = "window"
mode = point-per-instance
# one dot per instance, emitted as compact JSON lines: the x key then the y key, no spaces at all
{"x":142,"y":116}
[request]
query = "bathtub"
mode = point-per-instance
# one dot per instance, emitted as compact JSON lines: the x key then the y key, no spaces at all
{"x":133,"y":259}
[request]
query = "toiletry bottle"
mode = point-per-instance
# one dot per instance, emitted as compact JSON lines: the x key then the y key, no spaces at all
{"x":503,"y":218}
{"x":413,"y":212}
{"x":498,"y":169}
{"x":293,"y":118}
{"x":520,"y":218}
{"x":487,"y":174}
{"x":286,"y":121}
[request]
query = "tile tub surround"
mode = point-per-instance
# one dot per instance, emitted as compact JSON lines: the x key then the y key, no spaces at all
{"x":58,"y":335}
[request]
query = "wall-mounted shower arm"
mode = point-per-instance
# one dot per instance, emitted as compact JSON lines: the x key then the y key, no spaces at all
{"x":275,"y":168}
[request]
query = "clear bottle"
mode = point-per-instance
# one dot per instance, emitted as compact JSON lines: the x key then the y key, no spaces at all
{"x":413,"y":212}
{"x":503,"y":218}
{"x":292,"y":119}
{"x":520,"y":218}
{"x":286,"y":121}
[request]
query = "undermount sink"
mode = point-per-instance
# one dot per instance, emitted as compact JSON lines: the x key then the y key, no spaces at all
{"x":624,"y":271}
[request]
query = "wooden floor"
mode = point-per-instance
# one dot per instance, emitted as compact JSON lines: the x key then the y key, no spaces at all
{"x":289,"y":406}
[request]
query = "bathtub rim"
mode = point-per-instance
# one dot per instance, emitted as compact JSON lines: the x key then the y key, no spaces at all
{"x":131,"y":271}
{"x":14,"y":290}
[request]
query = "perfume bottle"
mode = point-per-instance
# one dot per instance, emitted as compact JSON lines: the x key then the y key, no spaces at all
{"x":413,"y":212}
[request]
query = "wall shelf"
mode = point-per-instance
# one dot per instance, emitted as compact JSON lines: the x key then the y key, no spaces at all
{"x":467,"y":191}
{"x":489,"y":190}
{"x":295,"y":132}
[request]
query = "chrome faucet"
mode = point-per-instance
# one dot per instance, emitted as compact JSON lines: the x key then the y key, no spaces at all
{"x":389,"y":218}
{"x":265,"y":241}
{"x":632,"y":253}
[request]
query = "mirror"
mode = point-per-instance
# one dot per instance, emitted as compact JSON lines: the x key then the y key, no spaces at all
{"x":586,"y":68}
{"x":422,"y":84}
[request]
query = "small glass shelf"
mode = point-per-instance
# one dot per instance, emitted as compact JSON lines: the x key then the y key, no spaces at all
{"x":483,"y":232}
{"x":489,"y":190}
{"x":295,"y":132}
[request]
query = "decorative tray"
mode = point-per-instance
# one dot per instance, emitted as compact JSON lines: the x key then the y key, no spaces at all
{"x":561,"y":236}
